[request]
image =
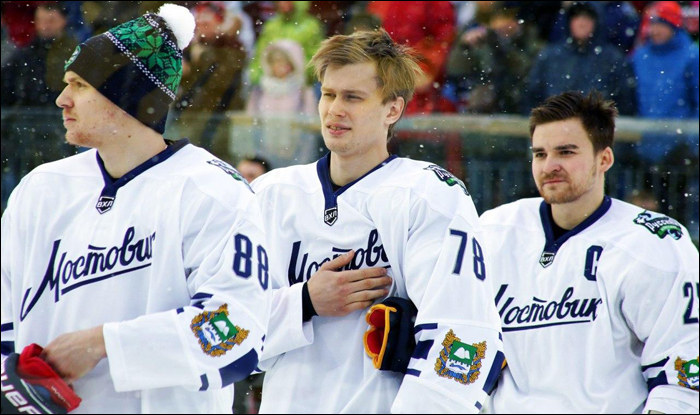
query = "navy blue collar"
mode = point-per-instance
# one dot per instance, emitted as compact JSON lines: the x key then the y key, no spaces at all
{"x":323,"y":168}
{"x":551,"y":245}
{"x":113,"y":185}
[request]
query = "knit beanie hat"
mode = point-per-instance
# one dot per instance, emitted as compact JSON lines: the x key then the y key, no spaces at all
{"x":138,"y":65}
{"x":668,"y":12}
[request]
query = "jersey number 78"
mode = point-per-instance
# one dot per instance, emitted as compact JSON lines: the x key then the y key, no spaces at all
{"x":479,"y":265}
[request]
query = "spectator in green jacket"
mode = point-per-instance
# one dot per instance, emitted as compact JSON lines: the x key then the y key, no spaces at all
{"x":291,"y":22}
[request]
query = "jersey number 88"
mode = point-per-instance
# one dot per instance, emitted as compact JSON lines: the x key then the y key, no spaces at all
{"x":243,"y":261}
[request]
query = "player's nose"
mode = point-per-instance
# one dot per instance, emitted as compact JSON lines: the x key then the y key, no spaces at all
{"x":337,"y":108}
{"x":551,"y":164}
{"x":64,"y":100}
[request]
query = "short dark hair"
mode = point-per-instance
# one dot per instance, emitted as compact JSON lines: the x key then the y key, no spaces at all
{"x":261,"y":161}
{"x":582,"y":9}
{"x":596,"y":114}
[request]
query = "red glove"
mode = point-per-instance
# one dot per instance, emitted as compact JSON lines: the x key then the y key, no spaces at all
{"x":35,"y":371}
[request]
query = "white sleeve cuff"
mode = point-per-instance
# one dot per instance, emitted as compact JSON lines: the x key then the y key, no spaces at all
{"x":417,"y":396}
{"x":671,"y":399}
{"x":287,"y":330}
{"x":148,"y":352}
{"x":115,"y":355}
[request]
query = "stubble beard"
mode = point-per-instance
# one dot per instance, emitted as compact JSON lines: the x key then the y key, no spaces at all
{"x":572,"y":193}
{"x":80,"y":139}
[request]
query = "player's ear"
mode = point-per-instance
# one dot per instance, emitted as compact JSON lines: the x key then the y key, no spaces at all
{"x":395,"y":110}
{"x":607,"y":159}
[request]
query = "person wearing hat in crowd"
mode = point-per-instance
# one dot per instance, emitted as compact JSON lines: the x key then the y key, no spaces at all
{"x":32,"y":75}
{"x":488,"y":64}
{"x":278,"y":101}
{"x":294,"y":22}
{"x":138,"y":265}
{"x":584,"y":62}
{"x":282,"y":90}
{"x":666,"y":70}
{"x":666,"y":65}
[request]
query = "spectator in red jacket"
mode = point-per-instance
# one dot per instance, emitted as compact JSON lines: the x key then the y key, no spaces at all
{"x":429,"y":28}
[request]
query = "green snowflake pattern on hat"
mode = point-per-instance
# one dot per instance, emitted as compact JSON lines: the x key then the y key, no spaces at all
{"x":143,"y":40}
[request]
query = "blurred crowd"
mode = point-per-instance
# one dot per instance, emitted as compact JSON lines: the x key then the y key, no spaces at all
{"x":477,"y":57}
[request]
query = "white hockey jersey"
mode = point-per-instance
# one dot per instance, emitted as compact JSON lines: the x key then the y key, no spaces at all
{"x":415,"y":219}
{"x":603,"y":319}
{"x":169,"y":258}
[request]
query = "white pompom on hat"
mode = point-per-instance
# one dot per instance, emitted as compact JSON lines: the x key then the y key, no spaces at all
{"x":180,"y":21}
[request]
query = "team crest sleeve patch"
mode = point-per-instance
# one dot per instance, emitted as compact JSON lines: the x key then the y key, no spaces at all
{"x":659,"y":225}
{"x":460,"y":361}
{"x":215,"y":332}
{"x":688,"y":373}
{"x":447,"y":177}
{"x":231,"y":171}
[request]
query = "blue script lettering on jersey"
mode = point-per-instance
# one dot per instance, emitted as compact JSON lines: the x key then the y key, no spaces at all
{"x":371,"y":256}
{"x":90,"y":268}
{"x":551,"y":313}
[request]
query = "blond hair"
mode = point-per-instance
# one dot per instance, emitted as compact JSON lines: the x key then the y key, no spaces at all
{"x":396,"y":66}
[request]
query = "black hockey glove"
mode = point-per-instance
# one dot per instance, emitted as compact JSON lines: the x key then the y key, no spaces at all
{"x":390,"y":340}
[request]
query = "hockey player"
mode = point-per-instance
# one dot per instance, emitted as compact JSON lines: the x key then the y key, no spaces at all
{"x":138,"y":265}
{"x":598,"y":298}
{"x":360,"y":225}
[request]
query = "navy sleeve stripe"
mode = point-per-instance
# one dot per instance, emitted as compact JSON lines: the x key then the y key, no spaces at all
{"x":660,"y":363}
{"x":7,"y":327}
{"x":657,"y":381}
{"x":180,"y":310}
{"x":7,"y":348}
{"x":500,"y":293}
{"x":478,"y":406}
{"x":199,"y":306}
{"x":240,"y":369}
{"x":422,"y":349}
{"x":422,"y":327}
{"x":494,"y":373}
{"x":413,"y":372}
{"x":205,"y":383}
{"x":202,"y":296}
